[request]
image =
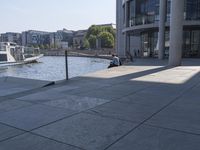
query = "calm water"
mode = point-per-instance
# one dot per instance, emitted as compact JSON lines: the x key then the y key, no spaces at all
{"x":53,"y":68}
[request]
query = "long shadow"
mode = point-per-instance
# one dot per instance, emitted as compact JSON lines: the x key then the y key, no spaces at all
{"x":157,"y":62}
{"x":124,"y":78}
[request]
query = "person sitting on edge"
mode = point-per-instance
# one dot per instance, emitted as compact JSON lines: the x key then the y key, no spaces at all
{"x":115,"y":61}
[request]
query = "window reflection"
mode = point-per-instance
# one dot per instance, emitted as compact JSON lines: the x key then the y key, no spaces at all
{"x":142,"y":12}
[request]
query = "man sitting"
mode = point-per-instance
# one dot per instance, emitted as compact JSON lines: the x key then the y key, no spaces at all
{"x":115,"y":62}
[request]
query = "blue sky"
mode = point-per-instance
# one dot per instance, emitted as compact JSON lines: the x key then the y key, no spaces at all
{"x":52,"y":15}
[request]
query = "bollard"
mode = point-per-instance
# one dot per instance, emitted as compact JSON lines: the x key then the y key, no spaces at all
{"x":66,"y":65}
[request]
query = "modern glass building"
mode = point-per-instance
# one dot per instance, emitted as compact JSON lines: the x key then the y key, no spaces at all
{"x":144,"y":28}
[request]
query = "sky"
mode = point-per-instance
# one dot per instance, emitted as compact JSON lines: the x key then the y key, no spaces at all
{"x":53,"y":15}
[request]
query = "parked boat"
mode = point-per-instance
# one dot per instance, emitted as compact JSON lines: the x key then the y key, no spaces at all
{"x":11,"y":53}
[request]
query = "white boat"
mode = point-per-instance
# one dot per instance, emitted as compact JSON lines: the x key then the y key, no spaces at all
{"x":11,"y":53}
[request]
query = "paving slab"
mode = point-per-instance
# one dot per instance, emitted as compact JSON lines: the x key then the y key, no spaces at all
{"x":25,"y":81}
{"x":2,"y":79}
{"x":155,"y":95}
{"x":87,"y":131}
{"x":64,"y":88}
{"x":41,"y":97}
{"x":179,"y":118}
{"x":87,"y":87}
{"x":10,"y":90}
{"x":102,"y":94}
{"x":116,"y":91}
{"x":76,"y":103}
{"x":8,"y":132}
{"x":152,"y":138}
{"x":147,"y":98}
{"x":33,"y":142}
{"x":123,"y":111}
{"x":34,"y":116}
{"x":9,"y":105}
{"x":190,"y":99}
{"x":12,"y":85}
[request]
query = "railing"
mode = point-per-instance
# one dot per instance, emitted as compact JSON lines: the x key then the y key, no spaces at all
{"x":31,"y":52}
{"x":146,"y":19}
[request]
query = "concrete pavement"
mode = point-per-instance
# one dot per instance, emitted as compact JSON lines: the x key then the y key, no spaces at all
{"x":141,"y":106}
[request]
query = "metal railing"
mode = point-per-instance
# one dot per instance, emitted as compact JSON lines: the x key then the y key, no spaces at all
{"x":141,"y":20}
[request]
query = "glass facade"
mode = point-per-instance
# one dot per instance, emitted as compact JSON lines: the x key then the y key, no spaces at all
{"x":191,"y":43}
{"x":149,"y":44}
{"x":147,"y":11}
{"x":192,"y":9}
{"x":142,"y":11}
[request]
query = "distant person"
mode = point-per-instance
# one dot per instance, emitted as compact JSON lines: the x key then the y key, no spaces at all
{"x":138,"y":54}
{"x":135,"y":53}
{"x":115,"y":61}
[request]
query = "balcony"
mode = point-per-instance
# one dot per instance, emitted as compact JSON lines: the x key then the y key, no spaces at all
{"x":142,"y":20}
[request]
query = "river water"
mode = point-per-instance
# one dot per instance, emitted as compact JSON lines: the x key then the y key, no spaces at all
{"x":53,"y":68}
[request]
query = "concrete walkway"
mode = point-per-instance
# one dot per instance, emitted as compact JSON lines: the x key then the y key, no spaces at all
{"x":141,"y":106}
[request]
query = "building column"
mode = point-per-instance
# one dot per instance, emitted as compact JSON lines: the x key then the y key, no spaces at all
{"x":126,"y":14}
{"x":176,"y":32}
{"x":128,"y":50}
{"x":120,"y":39}
{"x":161,"y":34}
{"x":127,"y":42}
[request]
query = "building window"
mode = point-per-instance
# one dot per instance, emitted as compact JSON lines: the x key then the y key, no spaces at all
{"x":149,"y":44}
{"x":143,"y":12}
{"x":191,"y":43}
{"x":131,"y":12}
{"x":192,"y":9}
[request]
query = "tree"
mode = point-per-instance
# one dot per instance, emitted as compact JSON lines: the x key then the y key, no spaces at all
{"x":92,"y":41}
{"x":46,"y":46}
{"x":52,"y":46}
{"x":93,"y":30}
{"x":41,"y":46}
{"x":107,"y":40}
{"x":86,"y":43}
{"x":106,"y":34}
{"x":110,"y":30}
{"x":35,"y":46}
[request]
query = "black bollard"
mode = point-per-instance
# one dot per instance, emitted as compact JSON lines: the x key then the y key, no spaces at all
{"x":66,"y":65}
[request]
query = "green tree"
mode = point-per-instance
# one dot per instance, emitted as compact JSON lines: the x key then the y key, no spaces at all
{"x":92,"y":41}
{"x":105,"y":33}
{"x":35,"y":46}
{"x":86,"y":43}
{"x":107,"y":40}
{"x":93,"y":30}
{"x":46,"y":46}
{"x":42,"y":46}
{"x":52,"y":46}
{"x":110,"y":30}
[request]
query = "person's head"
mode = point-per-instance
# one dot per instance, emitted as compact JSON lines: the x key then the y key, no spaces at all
{"x":113,"y":55}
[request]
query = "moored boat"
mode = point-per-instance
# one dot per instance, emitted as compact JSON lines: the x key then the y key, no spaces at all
{"x":11,"y":53}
